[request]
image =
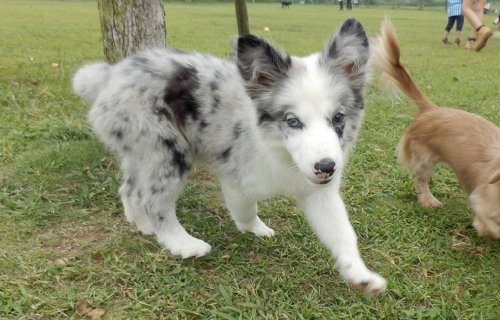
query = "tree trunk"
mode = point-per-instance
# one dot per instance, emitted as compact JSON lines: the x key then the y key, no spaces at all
{"x":129,"y":26}
{"x":242,"y":16}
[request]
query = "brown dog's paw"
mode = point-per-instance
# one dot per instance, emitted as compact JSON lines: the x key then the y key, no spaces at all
{"x":429,"y":201}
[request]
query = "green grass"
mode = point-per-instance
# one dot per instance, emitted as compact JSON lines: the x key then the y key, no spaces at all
{"x":58,"y":197}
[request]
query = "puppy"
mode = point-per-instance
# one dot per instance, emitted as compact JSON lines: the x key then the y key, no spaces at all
{"x":468,"y":143}
{"x":267,"y":124}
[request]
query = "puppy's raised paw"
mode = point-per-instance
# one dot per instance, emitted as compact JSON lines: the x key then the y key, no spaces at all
{"x":367,"y":281}
{"x":375,"y":285}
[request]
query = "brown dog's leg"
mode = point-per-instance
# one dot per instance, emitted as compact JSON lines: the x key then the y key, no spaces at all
{"x":420,"y":162}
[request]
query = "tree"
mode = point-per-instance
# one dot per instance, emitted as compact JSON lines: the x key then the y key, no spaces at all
{"x":242,"y":16}
{"x":129,"y":26}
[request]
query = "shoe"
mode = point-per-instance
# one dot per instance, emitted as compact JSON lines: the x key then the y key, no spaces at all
{"x":483,"y":34}
{"x":457,"y":42}
{"x":471,"y":44}
{"x":445,"y":41}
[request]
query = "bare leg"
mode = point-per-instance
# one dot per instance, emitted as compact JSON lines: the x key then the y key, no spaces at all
{"x":472,"y":15}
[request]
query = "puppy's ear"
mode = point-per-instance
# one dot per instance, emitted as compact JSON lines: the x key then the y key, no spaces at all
{"x":260,"y":63}
{"x":348,"y":50}
{"x":495,"y":177}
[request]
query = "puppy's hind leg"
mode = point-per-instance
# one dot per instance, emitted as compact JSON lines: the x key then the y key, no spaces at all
{"x":420,"y":163}
{"x":131,"y":197}
{"x":159,"y":182}
{"x":244,"y":212}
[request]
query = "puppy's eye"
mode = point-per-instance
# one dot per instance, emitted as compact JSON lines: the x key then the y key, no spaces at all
{"x":292,"y":121}
{"x":338,"y":118}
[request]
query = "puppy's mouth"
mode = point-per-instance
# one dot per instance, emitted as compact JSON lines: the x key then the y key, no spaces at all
{"x":320,"y":182}
{"x":326,"y":181}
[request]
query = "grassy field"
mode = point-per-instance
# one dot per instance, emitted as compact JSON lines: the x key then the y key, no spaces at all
{"x":63,"y":237}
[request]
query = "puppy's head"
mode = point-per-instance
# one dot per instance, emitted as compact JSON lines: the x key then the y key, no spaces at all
{"x":485,"y":200}
{"x":310,"y":107}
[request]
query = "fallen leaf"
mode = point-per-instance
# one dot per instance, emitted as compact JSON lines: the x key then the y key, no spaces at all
{"x":96,"y":313}
{"x":62,"y":262}
{"x":83,"y":308}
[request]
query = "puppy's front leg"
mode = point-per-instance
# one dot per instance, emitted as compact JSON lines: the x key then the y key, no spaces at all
{"x":327,"y":215}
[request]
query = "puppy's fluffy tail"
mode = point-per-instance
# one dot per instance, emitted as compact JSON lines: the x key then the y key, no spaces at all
{"x":387,"y":58}
{"x":89,"y":80}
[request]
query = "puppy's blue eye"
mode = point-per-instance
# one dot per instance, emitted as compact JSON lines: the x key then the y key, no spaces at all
{"x":292,"y":121}
{"x":338,"y":118}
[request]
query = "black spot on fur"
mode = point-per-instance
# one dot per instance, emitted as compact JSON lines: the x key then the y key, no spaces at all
{"x":214,"y":85}
{"x":154,"y":190}
{"x":169,"y":143}
{"x":224,"y":155}
{"x":118,"y":134}
{"x":162,"y":111}
{"x":237,"y":130}
{"x":161,"y":218}
{"x":265,"y":117}
{"x":130,"y":181}
{"x":178,"y":158}
{"x":215,"y":102}
{"x":179,"y":94}
{"x":203,"y":124}
{"x":359,"y":101}
{"x":340,"y":130}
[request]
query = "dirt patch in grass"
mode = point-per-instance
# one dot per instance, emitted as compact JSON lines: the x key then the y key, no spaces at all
{"x":70,"y":237}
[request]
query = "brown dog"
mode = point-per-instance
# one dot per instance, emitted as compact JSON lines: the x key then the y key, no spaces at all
{"x":469,"y":144}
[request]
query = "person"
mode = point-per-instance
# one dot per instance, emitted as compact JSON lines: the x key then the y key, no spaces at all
{"x":349,"y":4}
{"x":341,"y":5}
{"x":480,"y":33}
{"x":454,"y":14}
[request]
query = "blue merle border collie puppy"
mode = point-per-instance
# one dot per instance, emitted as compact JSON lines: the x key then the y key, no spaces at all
{"x":267,"y":124}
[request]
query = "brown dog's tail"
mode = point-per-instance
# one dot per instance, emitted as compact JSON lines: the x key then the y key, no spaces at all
{"x":387,"y":55}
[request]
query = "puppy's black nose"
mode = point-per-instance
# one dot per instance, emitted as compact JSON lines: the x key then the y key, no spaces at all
{"x":326,"y":165}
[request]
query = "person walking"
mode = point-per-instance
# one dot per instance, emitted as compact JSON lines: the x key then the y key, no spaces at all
{"x":454,"y":15}
{"x":480,"y":33}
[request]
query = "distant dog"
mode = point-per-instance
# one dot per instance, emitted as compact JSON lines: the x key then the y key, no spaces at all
{"x":469,"y":144}
{"x":268,"y":124}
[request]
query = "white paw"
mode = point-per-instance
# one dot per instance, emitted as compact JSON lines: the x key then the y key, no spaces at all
{"x":365,"y":280}
{"x":186,"y":246}
{"x":258,"y":227}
